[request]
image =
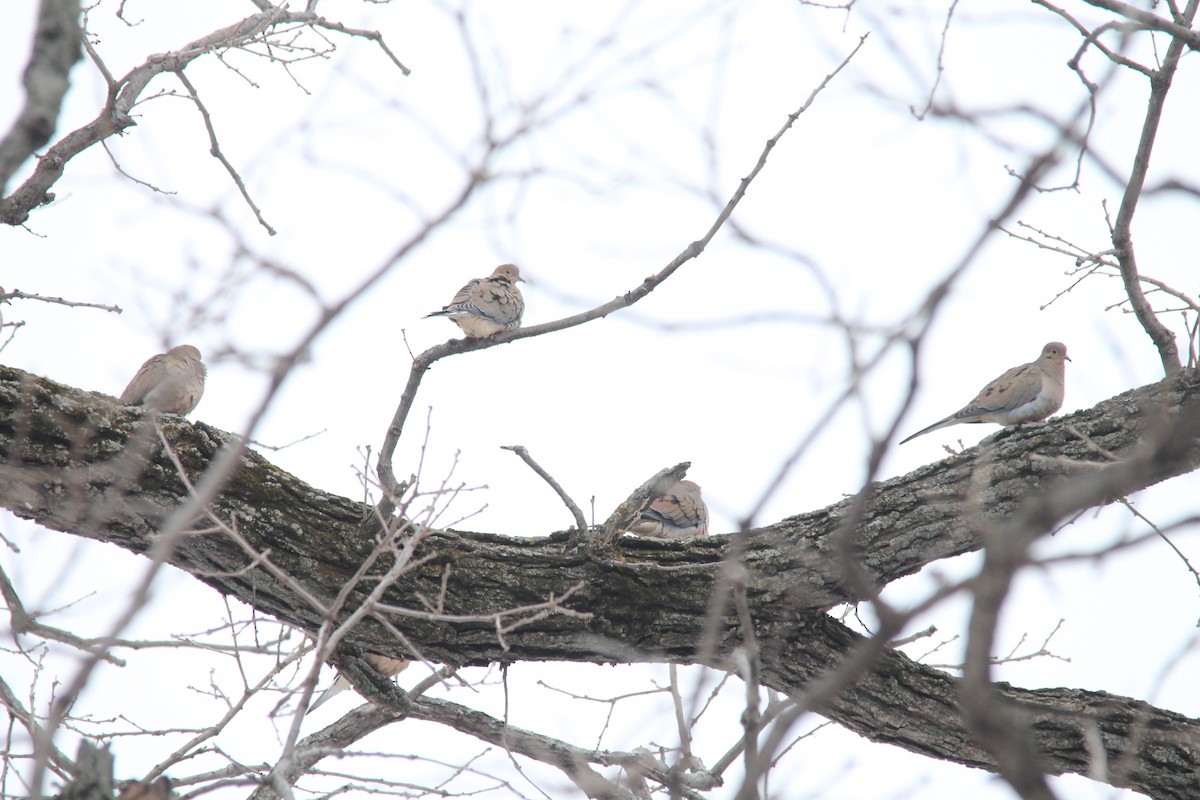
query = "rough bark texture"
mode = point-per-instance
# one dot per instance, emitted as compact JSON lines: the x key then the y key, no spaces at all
{"x":65,"y":458}
{"x":94,"y":775}
{"x":56,"y":48}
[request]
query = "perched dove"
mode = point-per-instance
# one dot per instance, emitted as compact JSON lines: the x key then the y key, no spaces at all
{"x":487,"y":306}
{"x":1028,"y":393}
{"x":159,"y":789}
{"x":678,"y":514}
{"x":170,"y":383}
{"x":387,"y":667}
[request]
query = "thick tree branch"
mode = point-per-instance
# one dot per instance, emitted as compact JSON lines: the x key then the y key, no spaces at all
{"x":56,"y":48}
{"x":913,"y":520}
{"x":650,"y":600}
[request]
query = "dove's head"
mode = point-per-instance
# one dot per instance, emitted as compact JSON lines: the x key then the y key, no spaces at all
{"x":185,"y":351}
{"x":1055,"y":352}
{"x":508,"y":272}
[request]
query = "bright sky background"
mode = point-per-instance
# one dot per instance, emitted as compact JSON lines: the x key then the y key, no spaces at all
{"x":727,"y":365}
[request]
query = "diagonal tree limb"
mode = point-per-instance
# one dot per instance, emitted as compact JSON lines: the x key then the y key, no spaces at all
{"x":421,"y":364}
{"x":56,"y":48}
{"x":652,"y":592}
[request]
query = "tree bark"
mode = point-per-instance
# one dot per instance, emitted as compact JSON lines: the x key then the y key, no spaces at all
{"x":56,"y":48}
{"x":72,"y":461}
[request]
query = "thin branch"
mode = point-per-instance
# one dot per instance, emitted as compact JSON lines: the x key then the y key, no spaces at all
{"x":1122,"y":233}
{"x":126,"y":92}
{"x":24,"y":623}
{"x":424,"y":361}
{"x":1162,"y":535}
{"x":19,"y":295}
{"x":625,"y":514}
{"x":580,"y":522}
{"x":215,"y":150}
{"x":921,"y":634}
{"x":362,"y":33}
{"x":335,"y":738}
{"x":573,"y":761}
{"x":58,"y":761}
{"x":751,"y":669}
{"x":941,"y":64}
{"x":1178,"y":32}
{"x":278,"y":447}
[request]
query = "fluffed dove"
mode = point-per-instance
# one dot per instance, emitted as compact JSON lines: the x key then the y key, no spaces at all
{"x":1028,"y":393}
{"x":170,"y":383}
{"x":387,"y":667}
{"x":487,"y":306}
{"x":158,"y":789}
{"x":678,"y":514}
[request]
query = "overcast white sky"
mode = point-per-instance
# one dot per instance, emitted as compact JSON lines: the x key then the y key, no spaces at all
{"x":346,"y":160}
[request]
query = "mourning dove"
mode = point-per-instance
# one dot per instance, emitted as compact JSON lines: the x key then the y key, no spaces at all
{"x":170,"y":383}
{"x":487,"y":306}
{"x":1028,"y":393}
{"x":387,"y":667}
{"x":158,"y":789}
{"x":678,"y":514}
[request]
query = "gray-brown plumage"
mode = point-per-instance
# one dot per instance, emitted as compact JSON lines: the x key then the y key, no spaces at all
{"x":1028,"y":393}
{"x":487,"y":306}
{"x":679,"y":513}
{"x":385,"y":666}
{"x":169,"y":383}
{"x":158,"y":789}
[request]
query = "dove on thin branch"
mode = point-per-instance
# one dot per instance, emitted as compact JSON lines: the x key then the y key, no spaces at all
{"x":487,"y":306}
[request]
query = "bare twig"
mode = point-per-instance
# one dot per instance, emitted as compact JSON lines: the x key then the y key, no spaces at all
{"x":1178,"y":32}
{"x":19,"y":295}
{"x":277,"y":447}
{"x":1122,"y":234}
{"x":61,"y":29}
{"x":215,"y":150}
{"x":24,"y":623}
{"x":751,"y":670}
{"x":424,"y":361}
{"x":1162,"y":535}
{"x":623,"y":517}
{"x":362,"y":33}
{"x":580,"y":522}
{"x":941,"y":65}
{"x":921,"y":634}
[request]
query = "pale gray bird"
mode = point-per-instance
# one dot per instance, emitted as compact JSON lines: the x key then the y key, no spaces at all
{"x":1028,"y":393}
{"x":679,"y":513}
{"x":168,"y":383}
{"x":487,"y":306}
{"x":387,"y":667}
